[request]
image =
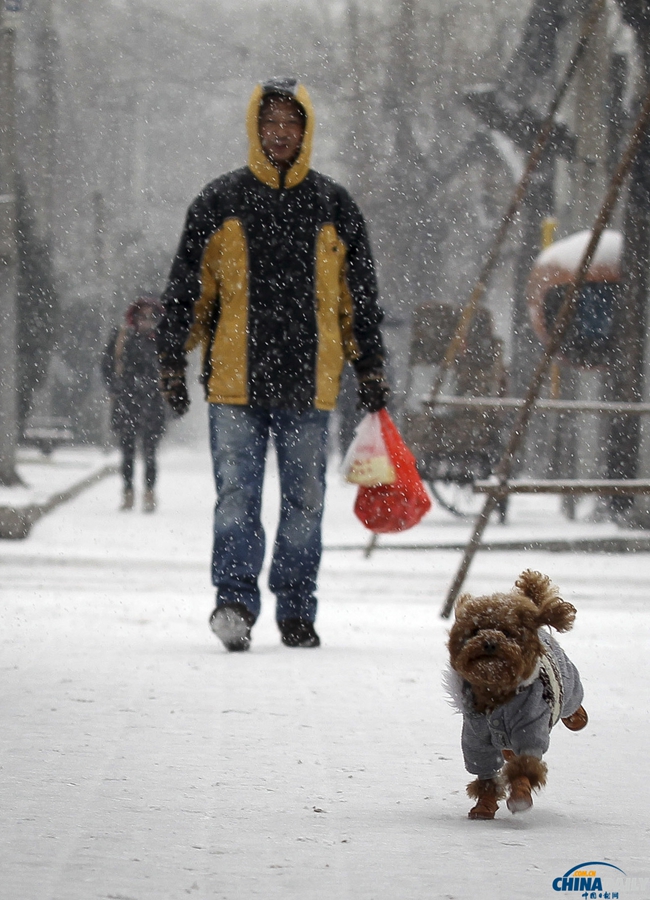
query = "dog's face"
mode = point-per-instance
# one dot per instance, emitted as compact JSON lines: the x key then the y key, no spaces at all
{"x":493,"y":642}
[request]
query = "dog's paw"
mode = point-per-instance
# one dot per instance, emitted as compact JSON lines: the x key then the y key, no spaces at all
{"x":484,"y":809}
{"x":520,"y":798}
{"x":577,"y":720}
{"x":487,"y":792}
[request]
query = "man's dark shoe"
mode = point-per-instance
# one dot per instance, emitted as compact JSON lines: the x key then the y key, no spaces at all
{"x":232,"y":625}
{"x":298,"y":633}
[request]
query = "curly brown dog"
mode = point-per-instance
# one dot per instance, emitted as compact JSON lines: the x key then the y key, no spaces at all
{"x":512,"y":682}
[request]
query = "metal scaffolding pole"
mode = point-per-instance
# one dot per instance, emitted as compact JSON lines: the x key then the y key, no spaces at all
{"x":492,"y":257}
{"x":562,"y":322}
{"x":494,"y":252}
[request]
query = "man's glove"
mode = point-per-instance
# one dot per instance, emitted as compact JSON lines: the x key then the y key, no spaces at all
{"x":174,"y":389}
{"x":373,"y":391}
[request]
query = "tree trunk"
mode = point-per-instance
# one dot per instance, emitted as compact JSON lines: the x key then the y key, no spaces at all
{"x":8,"y":261}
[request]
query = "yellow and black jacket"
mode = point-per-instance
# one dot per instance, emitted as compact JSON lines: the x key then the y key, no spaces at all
{"x":274,"y":280}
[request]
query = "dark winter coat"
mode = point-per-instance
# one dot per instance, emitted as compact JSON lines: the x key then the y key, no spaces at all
{"x":275,"y":281}
{"x":130,"y":369}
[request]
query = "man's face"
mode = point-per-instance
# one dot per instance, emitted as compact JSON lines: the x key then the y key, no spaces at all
{"x":281,"y":131}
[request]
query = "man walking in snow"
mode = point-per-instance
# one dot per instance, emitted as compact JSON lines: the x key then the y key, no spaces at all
{"x":274,"y":280}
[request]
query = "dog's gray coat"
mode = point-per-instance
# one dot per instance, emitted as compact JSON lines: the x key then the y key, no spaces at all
{"x":524,"y":723}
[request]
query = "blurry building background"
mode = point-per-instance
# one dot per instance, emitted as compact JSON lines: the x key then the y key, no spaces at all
{"x":125,"y":109}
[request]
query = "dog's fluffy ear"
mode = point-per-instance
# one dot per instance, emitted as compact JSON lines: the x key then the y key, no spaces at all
{"x":460,"y":602}
{"x":552,"y":609}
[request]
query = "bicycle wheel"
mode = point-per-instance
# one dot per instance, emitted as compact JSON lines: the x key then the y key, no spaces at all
{"x":458,"y":499}
{"x":461,"y":501}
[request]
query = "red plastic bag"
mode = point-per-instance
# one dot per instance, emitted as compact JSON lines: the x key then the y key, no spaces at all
{"x":387,"y":508}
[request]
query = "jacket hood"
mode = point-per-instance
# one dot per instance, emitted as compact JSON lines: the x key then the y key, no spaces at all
{"x":258,"y":162}
{"x":145,"y":301}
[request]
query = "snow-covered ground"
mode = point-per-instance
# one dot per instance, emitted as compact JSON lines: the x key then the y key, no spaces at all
{"x":140,"y":761}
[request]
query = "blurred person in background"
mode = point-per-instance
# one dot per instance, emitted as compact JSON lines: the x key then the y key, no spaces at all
{"x":274,"y":280}
{"x":130,"y":369}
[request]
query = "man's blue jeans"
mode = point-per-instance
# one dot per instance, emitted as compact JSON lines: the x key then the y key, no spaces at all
{"x":239,"y":437}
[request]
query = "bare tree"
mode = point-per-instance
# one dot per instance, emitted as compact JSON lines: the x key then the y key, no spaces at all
{"x":8,"y":260}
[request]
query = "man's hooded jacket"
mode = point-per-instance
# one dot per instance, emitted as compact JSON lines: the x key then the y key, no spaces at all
{"x":274,"y":279}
